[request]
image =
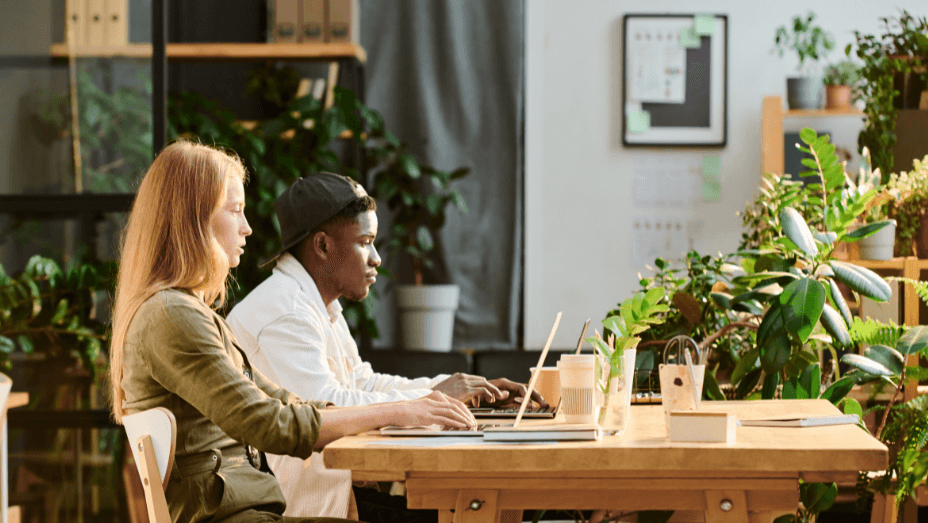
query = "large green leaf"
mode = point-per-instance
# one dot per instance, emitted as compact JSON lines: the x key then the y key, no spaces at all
{"x":748,"y":362}
{"x":817,"y":497}
{"x":801,"y":303}
{"x":867,"y":365}
{"x":862,"y":280}
{"x":886,"y":356}
{"x":915,"y":340}
{"x":796,"y":229}
{"x":838,"y":299}
{"x":769,"y":390}
{"x":775,"y":353}
{"x":805,"y":386}
{"x":834,"y":324}
{"x":838,"y":390}
{"x":721,"y":300}
{"x":711,"y":387}
{"x":867,"y":230}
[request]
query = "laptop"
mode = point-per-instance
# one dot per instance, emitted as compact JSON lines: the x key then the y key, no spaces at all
{"x":511,"y":412}
{"x":516,"y":413}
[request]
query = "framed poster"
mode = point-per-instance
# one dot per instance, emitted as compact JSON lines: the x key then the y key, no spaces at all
{"x":675,"y":80}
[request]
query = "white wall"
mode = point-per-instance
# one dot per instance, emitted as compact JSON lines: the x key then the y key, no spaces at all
{"x":579,"y":176}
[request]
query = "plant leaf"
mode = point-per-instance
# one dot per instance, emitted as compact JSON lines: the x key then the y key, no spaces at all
{"x":886,"y":356}
{"x":834,"y":324}
{"x":862,"y":280}
{"x":866,"y":364}
{"x":866,"y":231}
{"x":796,"y":229}
{"x":817,"y":497}
{"x":915,"y":340}
{"x":801,"y":303}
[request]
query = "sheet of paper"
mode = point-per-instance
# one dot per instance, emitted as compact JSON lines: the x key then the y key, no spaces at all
{"x":704,"y":24}
{"x":639,"y":121}
{"x":712,"y":166}
{"x":657,"y":66}
{"x":711,"y":189}
{"x":689,"y":39}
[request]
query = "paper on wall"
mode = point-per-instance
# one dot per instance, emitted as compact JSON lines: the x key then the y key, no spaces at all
{"x":658,"y":66}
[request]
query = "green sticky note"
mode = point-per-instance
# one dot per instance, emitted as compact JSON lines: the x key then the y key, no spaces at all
{"x":704,"y":24}
{"x":712,"y":166}
{"x":689,"y":39}
{"x":711,"y":189}
{"x":639,"y":121}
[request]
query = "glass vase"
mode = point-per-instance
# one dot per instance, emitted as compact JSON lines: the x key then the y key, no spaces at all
{"x":612,"y":415}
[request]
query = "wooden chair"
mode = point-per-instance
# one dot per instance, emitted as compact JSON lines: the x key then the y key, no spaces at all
{"x":152,"y":437}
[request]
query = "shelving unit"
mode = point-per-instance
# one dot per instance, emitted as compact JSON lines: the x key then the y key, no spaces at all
{"x":772,"y":129}
{"x":223,"y":51}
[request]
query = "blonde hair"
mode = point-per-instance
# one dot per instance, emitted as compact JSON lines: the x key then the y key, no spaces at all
{"x":168,"y":241}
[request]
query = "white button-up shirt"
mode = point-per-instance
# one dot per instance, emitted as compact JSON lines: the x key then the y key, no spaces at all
{"x":289,"y":334}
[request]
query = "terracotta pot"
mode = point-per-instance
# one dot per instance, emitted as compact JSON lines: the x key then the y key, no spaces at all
{"x":837,"y":97}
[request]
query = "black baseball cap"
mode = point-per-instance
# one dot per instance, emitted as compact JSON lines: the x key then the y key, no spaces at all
{"x":309,"y":202}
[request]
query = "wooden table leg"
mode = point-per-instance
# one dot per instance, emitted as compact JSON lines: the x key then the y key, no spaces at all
{"x":726,"y":506}
{"x":476,"y":506}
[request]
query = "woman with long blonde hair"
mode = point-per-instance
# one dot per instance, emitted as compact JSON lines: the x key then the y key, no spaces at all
{"x":170,"y":348}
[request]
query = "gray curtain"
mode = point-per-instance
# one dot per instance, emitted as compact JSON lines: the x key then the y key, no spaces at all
{"x":447,"y":76}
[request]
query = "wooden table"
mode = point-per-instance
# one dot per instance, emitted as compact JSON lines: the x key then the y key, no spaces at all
{"x":755,"y":479}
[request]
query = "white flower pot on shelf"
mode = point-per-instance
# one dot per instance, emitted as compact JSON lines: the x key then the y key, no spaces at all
{"x":879,"y":245}
{"x":427,"y":316}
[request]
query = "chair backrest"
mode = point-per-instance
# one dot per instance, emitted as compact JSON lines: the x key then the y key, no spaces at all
{"x":152,"y":437}
{"x":6,"y":384}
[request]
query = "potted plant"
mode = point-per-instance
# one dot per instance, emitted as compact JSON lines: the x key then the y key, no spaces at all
{"x":810,"y":42}
{"x":892,"y":63}
{"x":417,"y":194}
{"x":840,"y":79}
{"x":879,"y":245}
{"x":911,"y":209}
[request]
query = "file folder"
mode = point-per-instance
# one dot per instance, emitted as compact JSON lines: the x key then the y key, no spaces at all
{"x":116,"y":24}
{"x":312,"y":21}
{"x":96,"y":32}
{"x":344,"y":21}
{"x":285,"y":19}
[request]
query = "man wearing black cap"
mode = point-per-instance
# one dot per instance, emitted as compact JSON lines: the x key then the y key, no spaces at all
{"x":292,"y":329}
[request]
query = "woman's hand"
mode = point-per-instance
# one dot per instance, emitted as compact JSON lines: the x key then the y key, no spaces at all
{"x":434,"y":409}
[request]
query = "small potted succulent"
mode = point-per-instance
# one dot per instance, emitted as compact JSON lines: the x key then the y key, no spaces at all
{"x":840,"y":80}
{"x":810,"y":43}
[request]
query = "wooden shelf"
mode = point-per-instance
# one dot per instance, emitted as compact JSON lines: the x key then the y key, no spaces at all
{"x":223,"y":51}
{"x":895,"y":263}
{"x":817,"y":113}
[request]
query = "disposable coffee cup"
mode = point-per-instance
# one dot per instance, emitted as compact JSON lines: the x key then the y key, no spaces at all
{"x":549,"y":385}
{"x":576,"y":372}
{"x":676,"y":387}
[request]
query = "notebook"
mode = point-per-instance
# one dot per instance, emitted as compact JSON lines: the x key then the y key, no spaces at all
{"x":544,"y":432}
{"x":814,"y":421}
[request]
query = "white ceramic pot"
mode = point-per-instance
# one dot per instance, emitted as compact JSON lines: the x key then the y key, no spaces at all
{"x":879,"y":245}
{"x":427,"y":316}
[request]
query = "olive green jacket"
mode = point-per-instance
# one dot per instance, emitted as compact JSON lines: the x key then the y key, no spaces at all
{"x":181,"y":355}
